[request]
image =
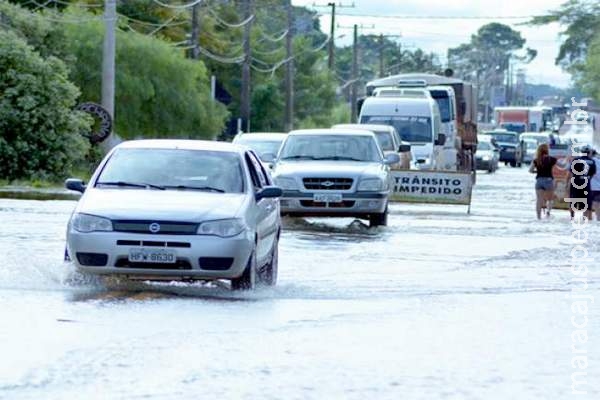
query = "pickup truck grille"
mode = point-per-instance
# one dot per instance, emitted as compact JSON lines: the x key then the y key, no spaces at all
{"x":327,"y":183}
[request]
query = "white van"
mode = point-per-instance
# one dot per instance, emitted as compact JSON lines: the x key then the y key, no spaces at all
{"x":416,"y":119}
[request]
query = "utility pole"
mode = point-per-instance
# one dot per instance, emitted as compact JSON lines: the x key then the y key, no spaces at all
{"x":245,"y":94}
{"x":108,"y":57}
{"x":354,"y":78}
{"x":331,"y":63}
{"x":382,"y":38}
{"x":195,"y":38}
{"x":289,"y":70}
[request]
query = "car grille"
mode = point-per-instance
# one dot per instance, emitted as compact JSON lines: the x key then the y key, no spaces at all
{"x":314,"y":204}
{"x":165,"y":227}
{"x":327,"y":183}
{"x":179,"y":265}
{"x":148,"y":243}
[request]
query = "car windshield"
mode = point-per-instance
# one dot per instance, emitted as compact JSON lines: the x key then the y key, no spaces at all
{"x":261,"y":146}
{"x":531,"y":145}
{"x":483,"y":146}
{"x":386,"y":142}
{"x":411,"y":128}
{"x":331,"y":147}
{"x":214,"y":171}
{"x":505,"y":137}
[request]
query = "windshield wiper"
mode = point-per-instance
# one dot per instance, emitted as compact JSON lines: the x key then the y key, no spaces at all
{"x":339,"y":158}
{"x":132,"y":184}
{"x":202,"y":188}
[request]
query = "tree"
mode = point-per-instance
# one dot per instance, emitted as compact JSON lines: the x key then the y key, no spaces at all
{"x":589,"y":76}
{"x":582,"y":21}
{"x":487,"y":57}
{"x":159,"y":93}
{"x":39,"y":130}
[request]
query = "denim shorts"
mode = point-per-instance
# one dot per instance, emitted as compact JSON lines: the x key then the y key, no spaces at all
{"x":544,"y":183}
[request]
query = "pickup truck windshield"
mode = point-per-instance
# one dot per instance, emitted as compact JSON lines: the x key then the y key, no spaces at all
{"x":338,"y":147}
{"x":412,"y":129}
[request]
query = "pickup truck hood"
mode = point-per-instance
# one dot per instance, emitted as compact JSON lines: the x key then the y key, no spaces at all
{"x":165,"y":205}
{"x":331,"y":169}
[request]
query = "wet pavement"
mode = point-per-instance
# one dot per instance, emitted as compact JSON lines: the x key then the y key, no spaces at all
{"x":438,"y":305}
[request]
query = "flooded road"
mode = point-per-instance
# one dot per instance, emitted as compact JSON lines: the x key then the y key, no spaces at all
{"x":438,"y":305}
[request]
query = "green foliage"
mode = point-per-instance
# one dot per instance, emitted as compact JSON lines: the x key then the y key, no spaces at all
{"x":159,"y":93}
{"x":39,"y":131}
{"x":581,"y":19}
{"x":589,"y":79}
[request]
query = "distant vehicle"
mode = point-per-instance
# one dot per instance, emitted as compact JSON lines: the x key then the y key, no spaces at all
{"x":178,"y":209}
{"x":538,"y":137}
{"x":389,"y":141}
{"x":265,"y":144}
{"x":416,"y":119}
{"x":514,"y":119}
{"x":511,"y":147}
{"x":334,"y":173}
{"x":530,"y":146}
{"x":456,"y":100}
{"x":488,"y":154}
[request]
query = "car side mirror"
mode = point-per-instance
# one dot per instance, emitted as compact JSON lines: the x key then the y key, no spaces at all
{"x":441,"y":140}
{"x":75,"y":184}
{"x":391,"y":158}
{"x":269,"y":192}
{"x":404,"y":148}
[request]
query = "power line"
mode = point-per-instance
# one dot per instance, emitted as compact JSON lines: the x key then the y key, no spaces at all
{"x":457,"y":17}
{"x":229,"y":24}
{"x":179,"y":6}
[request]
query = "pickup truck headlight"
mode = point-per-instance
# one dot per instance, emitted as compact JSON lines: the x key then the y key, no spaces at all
{"x":371,"y":185}
{"x":90,"y":223}
{"x":286,"y":183}
{"x":222,"y":228}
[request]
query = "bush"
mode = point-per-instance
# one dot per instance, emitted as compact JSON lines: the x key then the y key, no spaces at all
{"x":40,"y":133}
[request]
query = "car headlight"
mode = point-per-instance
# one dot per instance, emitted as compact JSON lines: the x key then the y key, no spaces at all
{"x":370,"y":185}
{"x":286,"y":183}
{"x":222,"y":228}
{"x":90,"y":223}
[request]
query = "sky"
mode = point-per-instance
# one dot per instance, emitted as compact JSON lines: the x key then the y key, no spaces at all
{"x":437,"y":35}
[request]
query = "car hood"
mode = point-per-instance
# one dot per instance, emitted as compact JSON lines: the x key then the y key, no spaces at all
{"x":483,"y":153}
{"x":165,"y":205}
{"x":340,"y":169}
{"x":507,"y":144}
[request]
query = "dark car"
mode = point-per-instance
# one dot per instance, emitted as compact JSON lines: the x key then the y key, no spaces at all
{"x":511,"y":146}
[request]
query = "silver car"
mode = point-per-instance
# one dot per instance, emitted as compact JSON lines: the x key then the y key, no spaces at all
{"x":334,"y":173}
{"x":265,"y":144}
{"x":178,"y":209}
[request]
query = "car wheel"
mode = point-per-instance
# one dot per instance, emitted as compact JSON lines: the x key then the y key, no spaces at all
{"x":513,"y":164}
{"x":378,"y":219}
{"x":248,"y":279}
{"x":268,"y":274}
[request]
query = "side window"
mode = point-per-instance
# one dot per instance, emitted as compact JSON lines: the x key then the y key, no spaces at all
{"x":256,"y":181}
{"x":262,"y":175}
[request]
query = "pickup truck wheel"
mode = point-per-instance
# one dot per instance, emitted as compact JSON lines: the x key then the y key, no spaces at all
{"x":248,"y":279}
{"x":513,"y":164}
{"x":268,"y":274}
{"x":378,"y":219}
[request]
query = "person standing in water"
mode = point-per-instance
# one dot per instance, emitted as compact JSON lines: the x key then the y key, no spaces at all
{"x":595,"y":184}
{"x":581,"y":172}
{"x":544,"y":181}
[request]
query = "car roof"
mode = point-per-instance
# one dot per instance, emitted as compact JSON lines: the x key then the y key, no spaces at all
{"x":262,"y":135}
{"x":366,"y":127}
{"x":182,"y":144}
{"x":499,"y":131}
{"x":332,"y":131}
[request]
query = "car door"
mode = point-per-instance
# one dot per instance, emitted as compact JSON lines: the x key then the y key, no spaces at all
{"x":265,"y":215}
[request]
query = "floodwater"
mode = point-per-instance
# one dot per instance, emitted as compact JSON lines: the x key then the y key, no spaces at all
{"x":438,"y":305}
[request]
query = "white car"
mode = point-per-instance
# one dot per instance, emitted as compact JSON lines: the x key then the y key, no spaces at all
{"x":334,"y":173}
{"x":178,"y":209}
{"x":265,"y":144}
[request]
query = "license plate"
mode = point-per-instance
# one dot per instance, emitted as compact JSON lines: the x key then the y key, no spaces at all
{"x":327,"y":197}
{"x":152,"y":256}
